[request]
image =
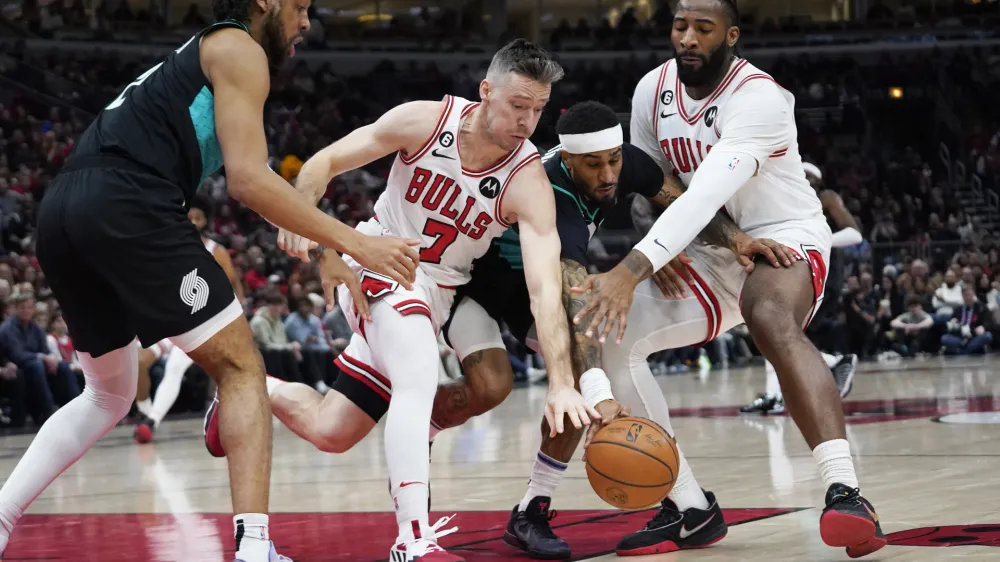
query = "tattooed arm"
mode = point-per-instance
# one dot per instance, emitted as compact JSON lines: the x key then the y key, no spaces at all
{"x":721,"y":231}
{"x":585,"y":351}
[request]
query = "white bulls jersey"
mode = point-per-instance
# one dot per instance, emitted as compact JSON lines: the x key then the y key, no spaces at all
{"x":679,"y":132}
{"x":455,"y":211}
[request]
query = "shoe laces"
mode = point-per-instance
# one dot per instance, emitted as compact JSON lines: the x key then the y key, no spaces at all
{"x":541,"y":520}
{"x":436,"y":534}
{"x":664,"y":517}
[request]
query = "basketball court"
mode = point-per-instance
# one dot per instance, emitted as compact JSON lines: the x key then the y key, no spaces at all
{"x":926,"y":436}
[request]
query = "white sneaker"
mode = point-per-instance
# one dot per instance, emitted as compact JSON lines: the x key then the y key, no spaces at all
{"x":425,"y":549}
{"x":272,"y":556}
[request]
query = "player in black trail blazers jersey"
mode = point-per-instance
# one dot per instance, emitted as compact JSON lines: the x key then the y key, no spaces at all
{"x":124,"y":261}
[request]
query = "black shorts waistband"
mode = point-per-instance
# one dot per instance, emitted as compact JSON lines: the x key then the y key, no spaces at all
{"x":106,"y":160}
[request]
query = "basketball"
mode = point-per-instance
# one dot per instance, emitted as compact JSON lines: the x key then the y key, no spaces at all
{"x":632,"y":463}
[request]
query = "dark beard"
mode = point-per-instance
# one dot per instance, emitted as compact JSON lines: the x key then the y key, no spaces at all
{"x":710,"y":71}
{"x":275,"y":43}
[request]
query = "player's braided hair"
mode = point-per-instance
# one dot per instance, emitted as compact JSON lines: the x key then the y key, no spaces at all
{"x":238,"y":10}
{"x":586,"y":117}
{"x":527,"y":59}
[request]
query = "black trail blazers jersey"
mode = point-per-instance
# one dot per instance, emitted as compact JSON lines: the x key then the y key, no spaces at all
{"x":164,"y":121}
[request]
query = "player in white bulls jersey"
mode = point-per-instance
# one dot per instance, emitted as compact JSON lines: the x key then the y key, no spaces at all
{"x":728,"y":131}
{"x":464,"y":173}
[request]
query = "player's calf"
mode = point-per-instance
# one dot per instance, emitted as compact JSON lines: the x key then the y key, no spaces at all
{"x":489,"y":380}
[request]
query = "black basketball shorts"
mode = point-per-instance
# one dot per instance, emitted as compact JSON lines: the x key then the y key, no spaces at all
{"x":123,"y":260}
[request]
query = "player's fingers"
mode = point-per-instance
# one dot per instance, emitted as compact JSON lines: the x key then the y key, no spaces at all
{"x":559,"y":415}
{"x":659,"y":279}
{"x":786,"y":255}
{"x":681,"y":268}
{"x":550,"y":419}
{"x":765,"y":251}
{"x":600,"y":312}
{"x":591,"y":433}
{"x":678,"y":281}
{"x":574,"y":418}
{"x":609,"y":322}
{"x":398,"y":273}
{"x":625,"y":411}
{"x":409,"y":267}
{"x":684,"y":258}
{"x":411,"y":252}
{"x":622,"y":324}
{"x":585,"y":287}
{"x":360,"y":300}
{"x":281,"y":239}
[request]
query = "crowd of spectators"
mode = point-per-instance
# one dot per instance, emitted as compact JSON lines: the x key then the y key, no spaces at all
{"x":917,"y":237}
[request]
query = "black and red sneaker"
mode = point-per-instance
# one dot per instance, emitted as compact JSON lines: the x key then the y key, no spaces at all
{"x":671,"y":530}
{"x":850,"y":521}
{"x":213,"y":441}
{"x":530,"y":531}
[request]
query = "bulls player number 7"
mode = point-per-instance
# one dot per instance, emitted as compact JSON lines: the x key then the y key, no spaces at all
{"x":445,"y":235}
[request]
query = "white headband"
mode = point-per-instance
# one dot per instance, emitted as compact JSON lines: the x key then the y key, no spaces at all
{"x":586,"y":143}
{"x":812,"y":169}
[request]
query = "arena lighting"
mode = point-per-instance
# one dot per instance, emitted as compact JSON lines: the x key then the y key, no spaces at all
{"x":896,"y":93}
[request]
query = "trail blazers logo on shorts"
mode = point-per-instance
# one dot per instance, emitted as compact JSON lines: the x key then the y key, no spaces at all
{"x":194,"y":291}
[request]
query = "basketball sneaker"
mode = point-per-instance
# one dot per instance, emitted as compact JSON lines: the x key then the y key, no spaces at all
{"x":424,"y":549}
{"x":213,"y":441}
{"x":671,"y":530}
{"x":144,"y":428}
{"x":843,"y":373}
{"x":765,"y":404}
{"x":272,"y":556}
{"x":529,"y":530}
{"x":849,"y":520}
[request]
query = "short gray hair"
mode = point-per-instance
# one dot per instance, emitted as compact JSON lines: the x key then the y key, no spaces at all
{"x":520,"y":56}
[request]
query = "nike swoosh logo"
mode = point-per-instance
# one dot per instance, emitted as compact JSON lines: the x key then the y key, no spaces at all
{"x":685,"y":533}
{"x":657,"y":242}
{"x":405,"y":484}
{"x":436,"y":153}
{"x":664,"y":115}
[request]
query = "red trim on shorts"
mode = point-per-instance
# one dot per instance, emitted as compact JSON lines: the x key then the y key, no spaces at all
{"x":708,"y":300}
{"x":364,"y":373}
{"x":412,"y":306}
{"x":449,"y":102}
{"x":734,"y":69}
{"x":817,"y":267}
{"x":448,"y":287}
{"x":503,"y":189}
{"x":779,"y":153}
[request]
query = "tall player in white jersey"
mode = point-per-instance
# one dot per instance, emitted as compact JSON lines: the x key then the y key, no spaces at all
{"x":728,"y":131}
{"x":464,"y":173}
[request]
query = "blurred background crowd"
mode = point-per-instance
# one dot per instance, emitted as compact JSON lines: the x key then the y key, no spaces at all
{"x":895,"y":103}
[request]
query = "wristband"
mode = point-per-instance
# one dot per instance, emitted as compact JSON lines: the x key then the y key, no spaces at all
{"x":595,"y":387}
{"x":316,"y":253}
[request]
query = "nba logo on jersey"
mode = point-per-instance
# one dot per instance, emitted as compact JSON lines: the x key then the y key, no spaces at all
{"x":733,"y":163}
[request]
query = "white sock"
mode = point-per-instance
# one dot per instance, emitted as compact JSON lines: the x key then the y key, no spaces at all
{"x":831,"y":360}
{"x":546,"y":475}
{"x":65,"y":437}
{"x":772,"y":387}
{"x":145,"y":406}
{"x":170,"y":387}
{"x":252,"y":539}
{"x":272,"y":384}
{"x":686,"y":492}
{"x":835,"y":463}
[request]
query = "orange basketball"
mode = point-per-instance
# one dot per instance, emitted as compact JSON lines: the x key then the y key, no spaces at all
{"x":632,"y":463}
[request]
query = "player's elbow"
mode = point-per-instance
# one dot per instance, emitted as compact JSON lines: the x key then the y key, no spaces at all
{"x":242,"y":180}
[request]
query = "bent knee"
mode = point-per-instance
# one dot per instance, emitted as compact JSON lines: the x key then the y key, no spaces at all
{"x":770,"y":316}
{"x":490,"y":381}
{"x":337,"y":439}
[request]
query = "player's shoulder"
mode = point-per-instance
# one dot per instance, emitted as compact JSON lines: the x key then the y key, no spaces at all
{"x":749,"y":82}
